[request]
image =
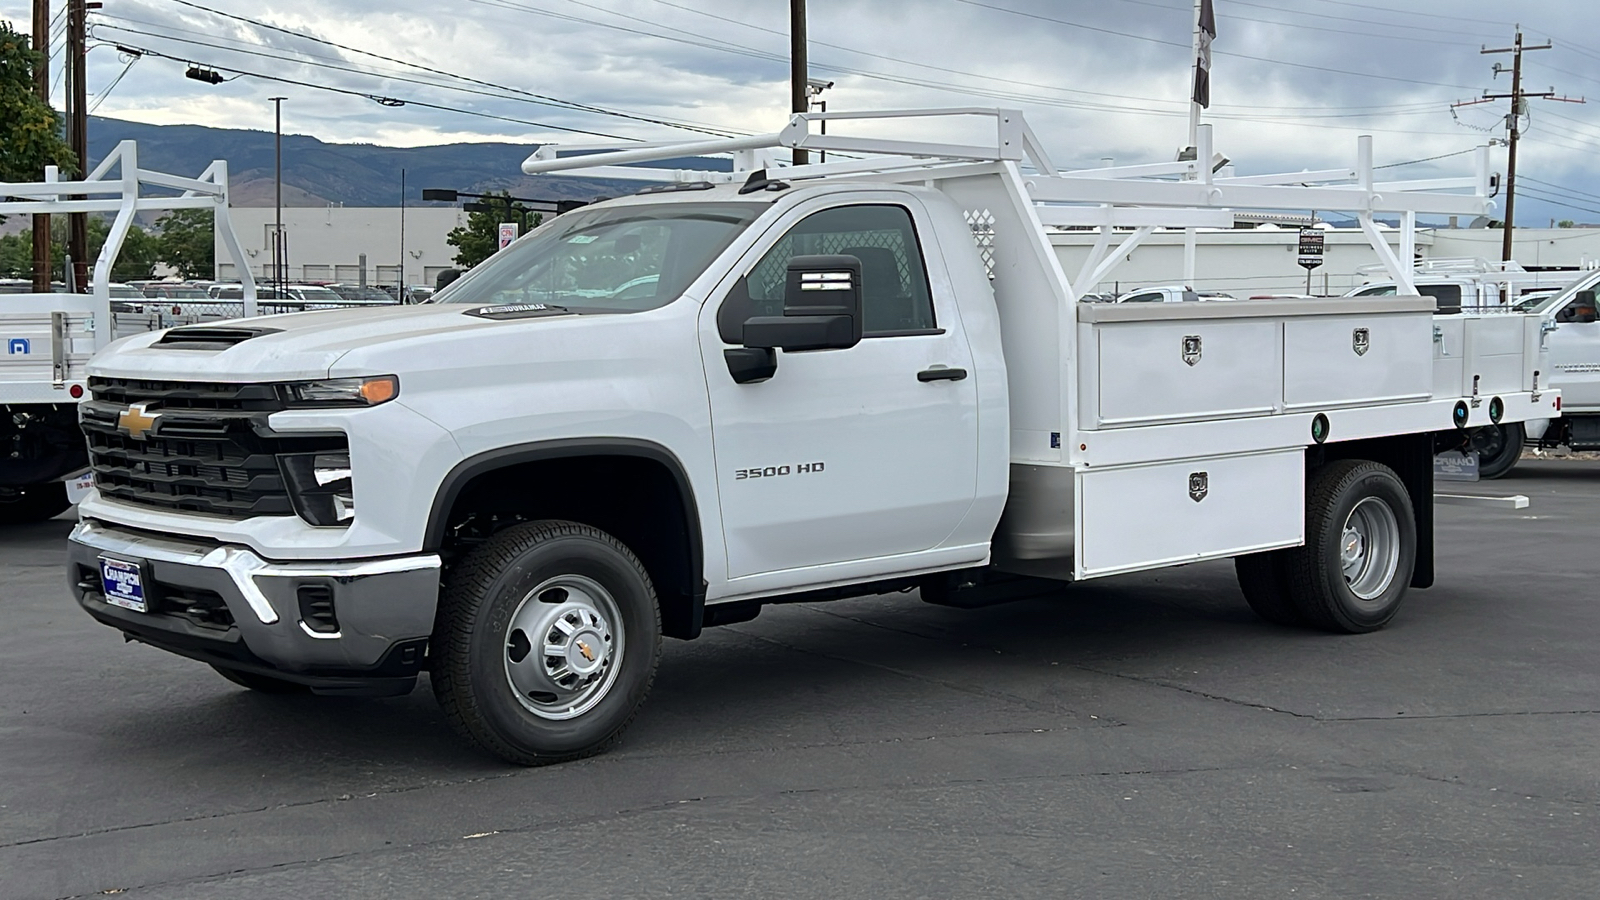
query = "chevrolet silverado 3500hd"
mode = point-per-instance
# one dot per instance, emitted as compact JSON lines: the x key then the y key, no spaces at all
{"x":657,"y":413}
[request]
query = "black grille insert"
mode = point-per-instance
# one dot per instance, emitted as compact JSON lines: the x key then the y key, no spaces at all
{"x":195,"y":447}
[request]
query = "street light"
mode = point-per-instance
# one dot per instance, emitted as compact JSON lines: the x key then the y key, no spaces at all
{"x":446,"y":195}
{"x":280,"y":248}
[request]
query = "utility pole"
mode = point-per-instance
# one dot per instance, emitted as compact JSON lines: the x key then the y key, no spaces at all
{"x":280,"y":250}
{"x":1519,"y":107}
{"x":799,"y":68}
{"x":78,"y":137}
{"x":41,"y":85}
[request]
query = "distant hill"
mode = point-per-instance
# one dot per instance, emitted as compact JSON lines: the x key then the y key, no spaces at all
{"x":317,"y":173}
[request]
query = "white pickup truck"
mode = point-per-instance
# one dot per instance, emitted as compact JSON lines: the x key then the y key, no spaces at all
{"x":1572,"y":338}
{"x":658,"y":413}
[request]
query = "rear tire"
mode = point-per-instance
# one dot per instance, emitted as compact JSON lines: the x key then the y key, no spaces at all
{"x":546,"y":642}
{"x":34,"y":503}
{"x":265,"y":684}
{"x":1499,"y":449}
{"x":1264,"y":580}
{"x":1361,"y":548}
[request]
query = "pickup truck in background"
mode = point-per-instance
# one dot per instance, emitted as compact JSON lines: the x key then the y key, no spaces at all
{"x":1171,"y":294}
{"x":659,"y":413}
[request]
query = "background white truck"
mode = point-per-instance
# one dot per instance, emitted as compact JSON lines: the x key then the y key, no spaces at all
{"x":661,"y":412}
{"x":46,"y":339}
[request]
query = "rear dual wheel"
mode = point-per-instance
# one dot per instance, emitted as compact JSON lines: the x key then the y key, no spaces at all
{"x":1352,"y":573}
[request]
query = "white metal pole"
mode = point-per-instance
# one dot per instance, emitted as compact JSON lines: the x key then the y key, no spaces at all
{"x":1194,"y":60}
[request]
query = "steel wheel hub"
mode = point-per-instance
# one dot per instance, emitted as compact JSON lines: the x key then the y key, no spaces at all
{"x":562,"y":647}
{"x":1369,"y":548}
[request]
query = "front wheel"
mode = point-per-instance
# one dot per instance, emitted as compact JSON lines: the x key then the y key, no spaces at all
{"x":546,"y":642}
{"x":1360,"y":550}
{"x":34,"y":503}
{"x":1499,"y":448}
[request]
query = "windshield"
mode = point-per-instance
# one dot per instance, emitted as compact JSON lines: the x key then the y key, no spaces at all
{"x":622,"y":259}
{"x":315,"y":295}
{"x":1586,"y":283}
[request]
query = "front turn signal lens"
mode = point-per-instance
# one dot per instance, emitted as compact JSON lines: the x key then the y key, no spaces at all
{"x":380,"y":390}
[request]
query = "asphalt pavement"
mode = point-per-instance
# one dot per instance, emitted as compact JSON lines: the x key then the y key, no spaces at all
{"x":1143,"y":736}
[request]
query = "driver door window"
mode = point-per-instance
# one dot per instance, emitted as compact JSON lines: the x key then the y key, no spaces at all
{"x":894,"y":283}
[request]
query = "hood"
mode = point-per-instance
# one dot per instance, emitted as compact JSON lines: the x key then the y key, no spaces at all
{"x":295,"y":346}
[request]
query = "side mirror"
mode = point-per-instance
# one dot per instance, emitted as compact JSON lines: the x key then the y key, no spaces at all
{"x":821,"y":307}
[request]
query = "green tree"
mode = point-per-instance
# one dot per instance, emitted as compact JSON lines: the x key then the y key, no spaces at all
{"x":16,"y":255}
{"x":30,"y":131}
{"x":137,"y":260}
{"x":187,"y":242}
{"x":479,"y":239}
{"x":1566,"y":223}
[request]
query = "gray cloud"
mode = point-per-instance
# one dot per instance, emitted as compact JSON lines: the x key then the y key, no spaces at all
{"x":1294,"y":81}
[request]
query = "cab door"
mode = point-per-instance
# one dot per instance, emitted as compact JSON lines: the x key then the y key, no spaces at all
{"x":866,"y":453}
{"x":1575,"y":353}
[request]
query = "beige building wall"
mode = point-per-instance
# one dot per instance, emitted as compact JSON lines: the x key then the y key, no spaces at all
{"x":327,"y":243}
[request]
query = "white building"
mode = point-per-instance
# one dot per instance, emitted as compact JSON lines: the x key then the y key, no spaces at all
{"x":337,"y":243}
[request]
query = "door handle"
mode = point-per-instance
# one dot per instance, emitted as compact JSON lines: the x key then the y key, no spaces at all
{"x":941,"y":373}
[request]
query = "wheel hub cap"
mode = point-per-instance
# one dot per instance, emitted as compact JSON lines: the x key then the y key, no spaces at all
{"x":1369,"y":548}
{"x":562,"y":646}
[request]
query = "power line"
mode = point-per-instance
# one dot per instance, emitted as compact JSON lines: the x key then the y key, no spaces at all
{"x":1232,"y":16}
{"x":325,"y":65}
{"x":990,"y":77}
{"x":1278,"y":62}
{"x":1574,"y":191}
{"x":1412,"y":162}
{"x":409,"y":64}
{"x":385,"y":100}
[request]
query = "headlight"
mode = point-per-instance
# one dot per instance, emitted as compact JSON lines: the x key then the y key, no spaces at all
{"x":320,"y":487}
{"x":341,"y":391}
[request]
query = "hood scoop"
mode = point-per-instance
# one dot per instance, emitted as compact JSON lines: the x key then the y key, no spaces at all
{"x":202,"y":338}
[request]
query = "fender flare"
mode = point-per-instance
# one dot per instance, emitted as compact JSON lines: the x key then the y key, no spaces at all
{"x":462,"y":474}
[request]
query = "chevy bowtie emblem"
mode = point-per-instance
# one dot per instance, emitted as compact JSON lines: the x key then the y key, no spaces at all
{"x":137,"y":421}
{"x":587,"y":653}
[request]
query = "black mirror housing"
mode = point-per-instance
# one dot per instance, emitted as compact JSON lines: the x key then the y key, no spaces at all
{"x":821,"y":307}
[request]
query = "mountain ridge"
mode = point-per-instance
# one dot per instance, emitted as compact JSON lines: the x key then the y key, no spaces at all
{"x":319,"y":173}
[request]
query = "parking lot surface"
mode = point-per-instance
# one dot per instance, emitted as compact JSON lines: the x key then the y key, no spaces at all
{"x":1142,"y":736}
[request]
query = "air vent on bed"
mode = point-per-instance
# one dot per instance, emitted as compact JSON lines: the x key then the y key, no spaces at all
{"x":209,"y":338}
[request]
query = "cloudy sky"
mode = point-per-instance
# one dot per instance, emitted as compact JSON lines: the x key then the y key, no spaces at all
{"x":1294,"y":81}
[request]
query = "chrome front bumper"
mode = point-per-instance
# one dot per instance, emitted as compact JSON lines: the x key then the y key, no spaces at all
{"x":384,"y":607}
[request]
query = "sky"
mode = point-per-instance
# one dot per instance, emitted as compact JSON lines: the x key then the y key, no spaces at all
{"x":1294,"y":82}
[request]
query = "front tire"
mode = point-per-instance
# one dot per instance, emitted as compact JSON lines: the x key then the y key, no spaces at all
{"x":1499,"y":449}
{"x":546,"y":642}
{"x":1361,"y":547}
{"x":34,"y":503}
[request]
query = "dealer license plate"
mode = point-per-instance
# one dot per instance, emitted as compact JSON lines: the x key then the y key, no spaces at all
{"x":124,"y":584}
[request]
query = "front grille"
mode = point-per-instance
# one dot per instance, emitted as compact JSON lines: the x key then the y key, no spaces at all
{"x":209,"y":451}
{"x":188,"y":394}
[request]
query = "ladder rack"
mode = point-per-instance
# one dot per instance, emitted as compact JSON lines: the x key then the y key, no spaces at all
{"x":1176,"y":195}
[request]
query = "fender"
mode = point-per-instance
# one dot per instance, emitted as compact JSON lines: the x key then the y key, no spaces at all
{"x":680,"y":623}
